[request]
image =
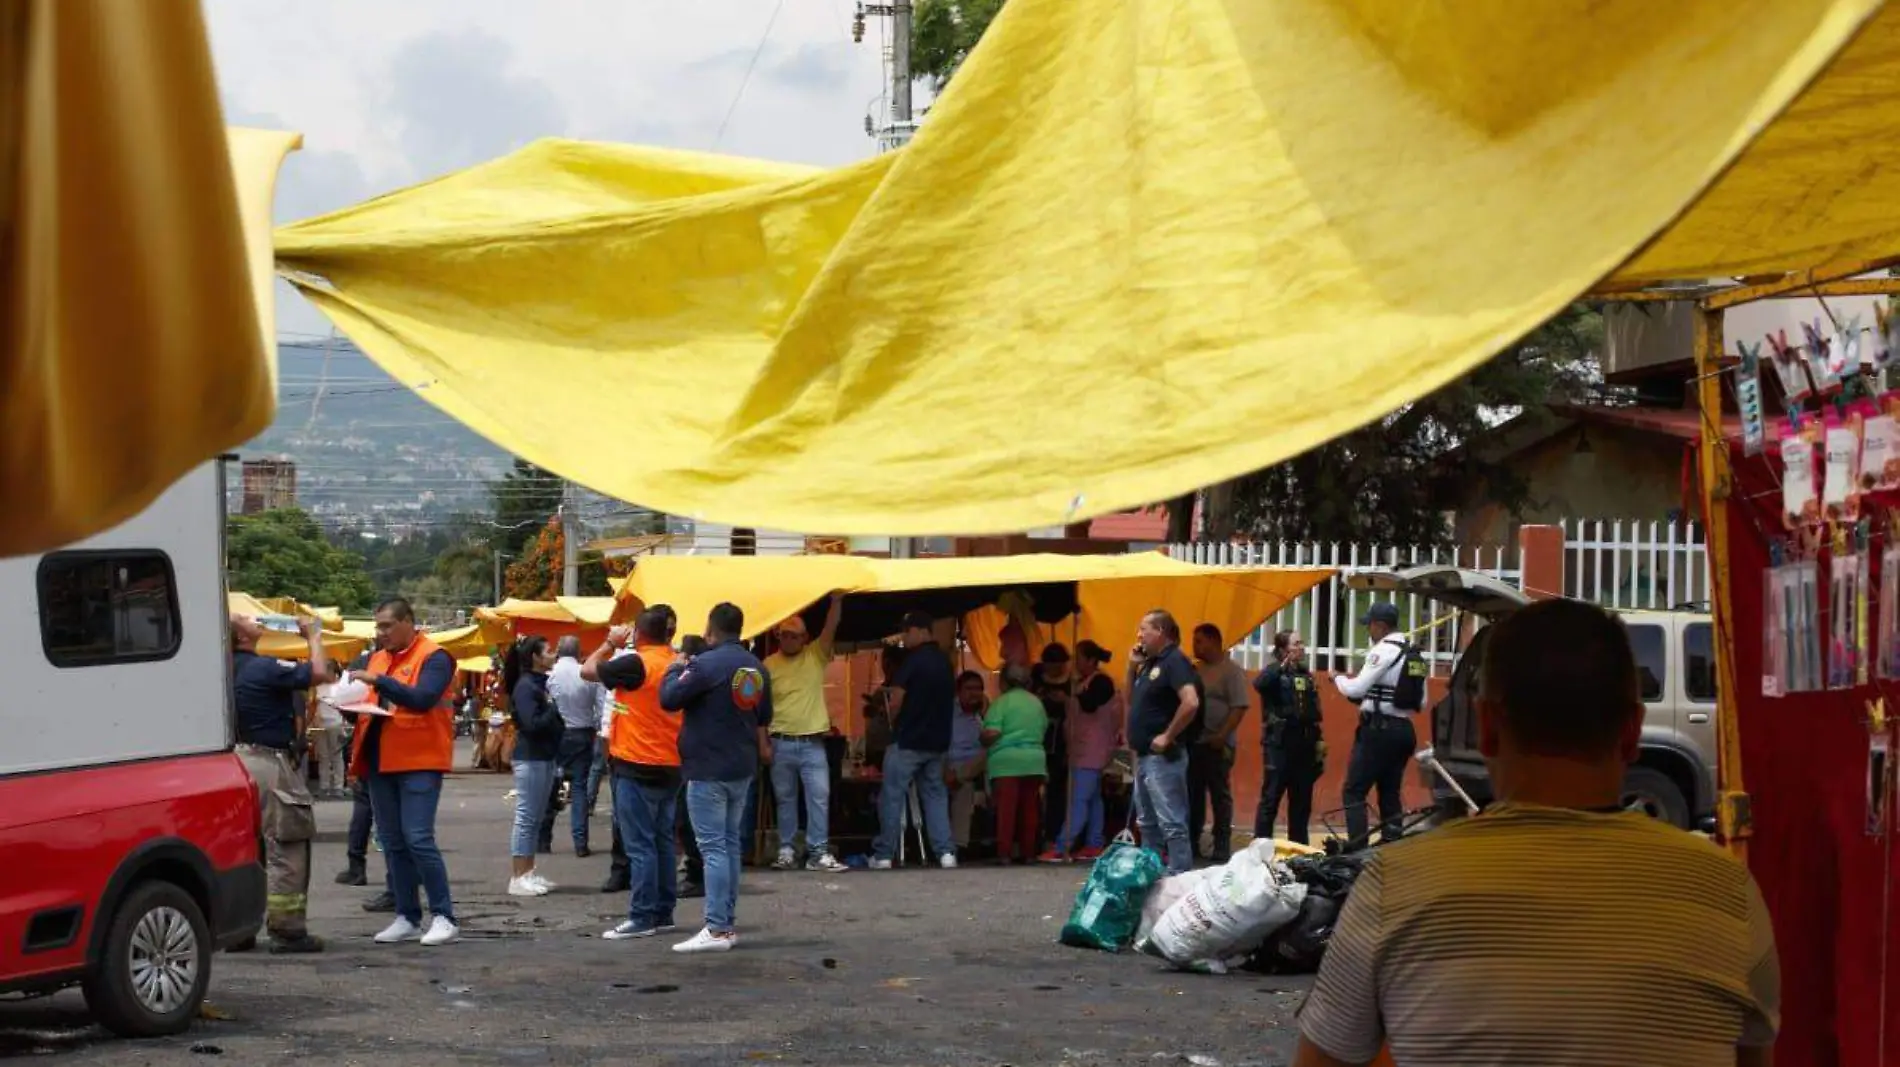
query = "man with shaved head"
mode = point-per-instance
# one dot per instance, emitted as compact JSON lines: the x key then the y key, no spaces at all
{"x":579,"y":701}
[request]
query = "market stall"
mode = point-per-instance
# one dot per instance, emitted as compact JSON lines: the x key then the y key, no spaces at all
{"x":1802,"y":511}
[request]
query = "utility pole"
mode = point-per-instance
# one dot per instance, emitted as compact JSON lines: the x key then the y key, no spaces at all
{"x":896,"y":131}
{"x":497,"y":577}
{"x":570,"y":548}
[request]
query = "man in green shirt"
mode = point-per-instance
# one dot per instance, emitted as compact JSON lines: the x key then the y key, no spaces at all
{"x":801,"y":724}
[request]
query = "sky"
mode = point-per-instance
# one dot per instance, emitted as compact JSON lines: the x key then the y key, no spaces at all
{"x":388,"y":93}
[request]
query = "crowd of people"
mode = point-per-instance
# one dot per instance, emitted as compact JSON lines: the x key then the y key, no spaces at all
{"x":683,"y":738}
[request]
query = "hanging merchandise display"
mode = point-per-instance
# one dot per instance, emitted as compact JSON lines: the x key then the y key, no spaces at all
{"x":1748,"y":398}
{"x":1848,"y":604}
{"x":1840,"y":497}
{"x":1886,"y":342}
{"x":1789,"y":370}
{"x":1822,"y":364}
{"x":1879,"y":453}
{"x":1888,"y":665}
{"x":1791,"y":654}
{"x":1879,"y":780}
{"x":1800,"y":495}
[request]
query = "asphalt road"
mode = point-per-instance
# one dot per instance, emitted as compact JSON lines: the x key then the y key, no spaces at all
{"x":902,"y":967}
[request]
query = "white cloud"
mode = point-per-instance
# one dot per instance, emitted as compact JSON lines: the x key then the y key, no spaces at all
{"x":390,"y":92}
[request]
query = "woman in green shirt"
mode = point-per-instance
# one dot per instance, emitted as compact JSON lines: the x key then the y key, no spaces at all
{"x":1012,"y":732}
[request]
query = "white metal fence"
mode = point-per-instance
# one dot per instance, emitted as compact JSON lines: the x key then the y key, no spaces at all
{"x":1327,"y":618}
{"x":1617,"y":563}
{"x":1655,"y":566}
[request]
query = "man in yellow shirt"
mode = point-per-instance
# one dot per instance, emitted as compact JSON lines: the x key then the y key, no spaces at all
{"x":801,"y":723}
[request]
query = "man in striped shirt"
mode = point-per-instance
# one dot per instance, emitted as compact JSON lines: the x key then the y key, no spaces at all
{"x":1554,"y":928}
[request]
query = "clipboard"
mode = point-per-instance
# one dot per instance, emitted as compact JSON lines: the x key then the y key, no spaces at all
{"x":366,"y":708}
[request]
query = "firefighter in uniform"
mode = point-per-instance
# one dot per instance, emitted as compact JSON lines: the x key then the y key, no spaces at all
{"x":1291,"y":742}
{"x":268,"y":734}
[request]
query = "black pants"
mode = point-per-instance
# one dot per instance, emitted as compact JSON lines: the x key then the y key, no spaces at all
{"x":1381,"y":749}
{"x":576,"y":762}
{"x":687,"y":843}
{"x":1290,"y":773}
{"x":1209,"y":784}
{"x":361,"y":822}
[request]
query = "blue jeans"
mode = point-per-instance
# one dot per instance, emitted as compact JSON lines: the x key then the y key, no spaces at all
{"x":901,"y":767}
{"x":644,"y":814}
{"x":577,"y":766}
{"x":598,"y":774}
{"x":1085,"y":809}
{"x":1161,"y":801}
{"x":533,"y":788}
{"x":717,"y":811}
{"x":404,"y":806}
{"x":802,"y":761}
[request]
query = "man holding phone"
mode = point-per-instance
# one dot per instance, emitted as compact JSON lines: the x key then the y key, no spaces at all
{"x":1164,"y":715}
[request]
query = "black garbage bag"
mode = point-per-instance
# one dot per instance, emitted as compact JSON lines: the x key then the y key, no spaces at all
{"x":1297,"y":947}
{"x":1330,"y":876}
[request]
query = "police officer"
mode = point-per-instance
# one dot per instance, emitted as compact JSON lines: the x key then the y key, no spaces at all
{"x":1385,"y":740}
{"x":1293,"y":749}
{"x":267,"y":734}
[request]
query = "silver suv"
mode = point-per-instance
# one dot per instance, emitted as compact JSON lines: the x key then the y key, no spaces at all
{"x":1673,"y":779}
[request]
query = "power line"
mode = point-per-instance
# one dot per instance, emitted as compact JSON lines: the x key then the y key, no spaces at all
{"x":747,"y":79}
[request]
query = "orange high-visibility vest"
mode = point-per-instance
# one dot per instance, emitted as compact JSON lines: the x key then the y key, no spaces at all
{"x":411,"y":741}
{"x":641,"y":732}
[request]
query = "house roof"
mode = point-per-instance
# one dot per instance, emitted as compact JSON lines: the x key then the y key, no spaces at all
{"x":1683,"y":424}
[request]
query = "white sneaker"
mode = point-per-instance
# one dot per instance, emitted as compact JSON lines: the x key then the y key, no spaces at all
{"x":441,"y":932}
{"x":948,"y":861}
{"x":541,"y":880}
{"x":880,"y":865}
{"x":400,"y":930}
{"x":628,"y":931}
{"x":707,"y":941}
{"x":787,"y":860}
{"x":825,"y":861}
{"x":525,"y":886}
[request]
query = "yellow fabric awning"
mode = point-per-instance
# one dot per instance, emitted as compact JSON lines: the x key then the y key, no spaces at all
{"x":1222,"y":234}
{"x":1113,"y":591}
{"x":138,"y":287}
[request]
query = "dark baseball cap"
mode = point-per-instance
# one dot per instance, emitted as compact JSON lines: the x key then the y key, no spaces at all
{"x":1385,"y":613}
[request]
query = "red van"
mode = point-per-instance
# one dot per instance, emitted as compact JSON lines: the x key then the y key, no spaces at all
{"x":129,"y":829}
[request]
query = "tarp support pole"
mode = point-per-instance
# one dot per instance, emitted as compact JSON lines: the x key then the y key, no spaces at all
{"x":1795,"y":284}
{"x":1732,"y":821}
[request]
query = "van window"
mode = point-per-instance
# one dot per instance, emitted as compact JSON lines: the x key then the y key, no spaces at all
{"x":1652,"y":659}
{"x":1698,"y":662}
{"x":116,"y":606}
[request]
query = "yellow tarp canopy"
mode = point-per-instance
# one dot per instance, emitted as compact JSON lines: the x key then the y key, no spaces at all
{"x":1113,"y":591}
{"x":138,"y":284}
{"x":1193,"y":238}
{"x":338,"y":642}
{"x":584,"y":610}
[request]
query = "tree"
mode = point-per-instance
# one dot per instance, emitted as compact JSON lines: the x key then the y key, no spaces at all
{"x":538,"y":574}
{"x":524,"y":499}
{"x":1394,"y":481}
{"x":283,"y":553}
{"x":942,"y":34}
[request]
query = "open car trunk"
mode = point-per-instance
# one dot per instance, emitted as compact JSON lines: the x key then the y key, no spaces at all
{"x":1455,"y":717}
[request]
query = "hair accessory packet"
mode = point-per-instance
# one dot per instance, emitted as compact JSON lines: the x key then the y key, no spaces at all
{"x":1789,"y":369}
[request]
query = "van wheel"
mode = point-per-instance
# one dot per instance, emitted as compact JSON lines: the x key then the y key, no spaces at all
{"x":155,"y":966}
{"x":1655,"y":794}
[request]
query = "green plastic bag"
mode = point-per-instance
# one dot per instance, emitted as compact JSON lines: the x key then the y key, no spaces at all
{"x":1108,"y":909}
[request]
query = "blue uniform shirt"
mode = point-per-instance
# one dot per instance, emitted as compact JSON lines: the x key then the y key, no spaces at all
{"x":261,"y":692}
{"x":725,"y":696}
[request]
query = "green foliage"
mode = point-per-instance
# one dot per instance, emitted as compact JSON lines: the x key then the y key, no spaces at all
{"x":1393,"y":481}
{"x":283,"y":553}
{"x":525,"y":498}
{"x":942,"y":34}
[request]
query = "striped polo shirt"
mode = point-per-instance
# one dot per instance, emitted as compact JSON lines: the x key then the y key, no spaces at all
{"x":1532,"y":935}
